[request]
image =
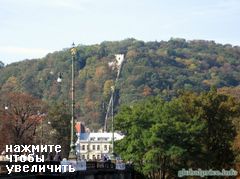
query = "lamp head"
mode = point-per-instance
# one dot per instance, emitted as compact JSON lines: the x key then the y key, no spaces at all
{"x":112,"y":88}
{"x":59,"y":79}
{"x":73,"y":50}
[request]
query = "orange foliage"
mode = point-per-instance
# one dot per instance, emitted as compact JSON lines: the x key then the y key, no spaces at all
{"x":100,"y":70}
{"x":147,"y":91}
{"x":233,"y":91}
{"x":131,"y":54}
{"x":21,"y":117}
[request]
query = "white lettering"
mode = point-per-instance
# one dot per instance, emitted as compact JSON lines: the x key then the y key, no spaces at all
{"x":64,"y":168}
{"x":10,"y":169}
{"x":17,"y":168}
{"x":9,"y":157}
{"x":25,"y":168}
{"x":41,"y":168}
{"x":51,"y":148}
{"x":56,"y":148}
{"x":17,"y":148}
{"x":34,"y":168}
{"x":50,"y":167}
{"x":39,"y":158}
{"x":23,"y":158}
{"x":58,"y":168}
{"x":30,"y":158}
{"x":9,"y":148}
{"x":71,"y":168}
{"x":43,"y":148}
{"x":35,"y":148}
{"x":26,"y":148}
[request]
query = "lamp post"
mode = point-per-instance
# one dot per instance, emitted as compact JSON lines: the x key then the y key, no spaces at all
{"x":72,"y":153}
{"x":112,"y":90}
{"x":59,"y":79}
{"x":6,"y":107}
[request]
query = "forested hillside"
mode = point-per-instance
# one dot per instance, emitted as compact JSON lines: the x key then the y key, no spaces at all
{"x":150,"y":68}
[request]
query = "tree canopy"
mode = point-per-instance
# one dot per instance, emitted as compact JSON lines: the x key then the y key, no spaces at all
{"x":190,"y":131}
{"x":151,"y":68}
{"x":19,"y":117}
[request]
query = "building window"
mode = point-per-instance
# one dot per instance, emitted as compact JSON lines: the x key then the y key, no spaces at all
{"x":87,"y":157}
{"x":83,"y":157}
{"x":93,"y":157}
{"x":93,"y":147}
{"x":98,"y":157}
{"x":105,"y":147}
{"x":98,"y":147}
{"x":83,"y":147}
{"x":87,"y":147}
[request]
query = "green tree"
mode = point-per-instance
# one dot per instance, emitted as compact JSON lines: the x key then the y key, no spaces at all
{"x":107,"y":88}
{"x":191,"y":131}
{"x":59,"y":118}
{"x":218,"y":112}
{"x":1,"y":64}
{"x":11,"y":85}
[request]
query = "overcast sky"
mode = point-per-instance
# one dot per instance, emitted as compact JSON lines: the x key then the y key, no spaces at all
{"x":32,"y":28}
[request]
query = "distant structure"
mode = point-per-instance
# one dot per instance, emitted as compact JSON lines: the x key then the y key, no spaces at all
{"x":80,"y":127}
{"x":93,"y":146}
{"x":99,"y":145}
{"x":119,"y":58}
{"x":117,"y":64}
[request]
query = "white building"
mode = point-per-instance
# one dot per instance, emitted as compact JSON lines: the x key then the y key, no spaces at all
{"x":93,"y":146}
{"x":117,"y":63}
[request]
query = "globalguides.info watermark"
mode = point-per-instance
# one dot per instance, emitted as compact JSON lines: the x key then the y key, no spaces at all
{"x":205,"y":173}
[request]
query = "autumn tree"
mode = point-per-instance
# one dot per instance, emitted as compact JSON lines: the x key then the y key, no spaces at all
{"x":4,"y":125}
{"x":21,"y":117}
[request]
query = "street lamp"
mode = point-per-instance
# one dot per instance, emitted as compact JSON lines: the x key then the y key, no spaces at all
{"x":112,"y":90}
{"x":113,"y":155}
{"x":72,"y":153}
{"x":59,"y":79}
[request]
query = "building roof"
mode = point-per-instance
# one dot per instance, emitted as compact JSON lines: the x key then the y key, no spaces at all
{"x":100,"y":136}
